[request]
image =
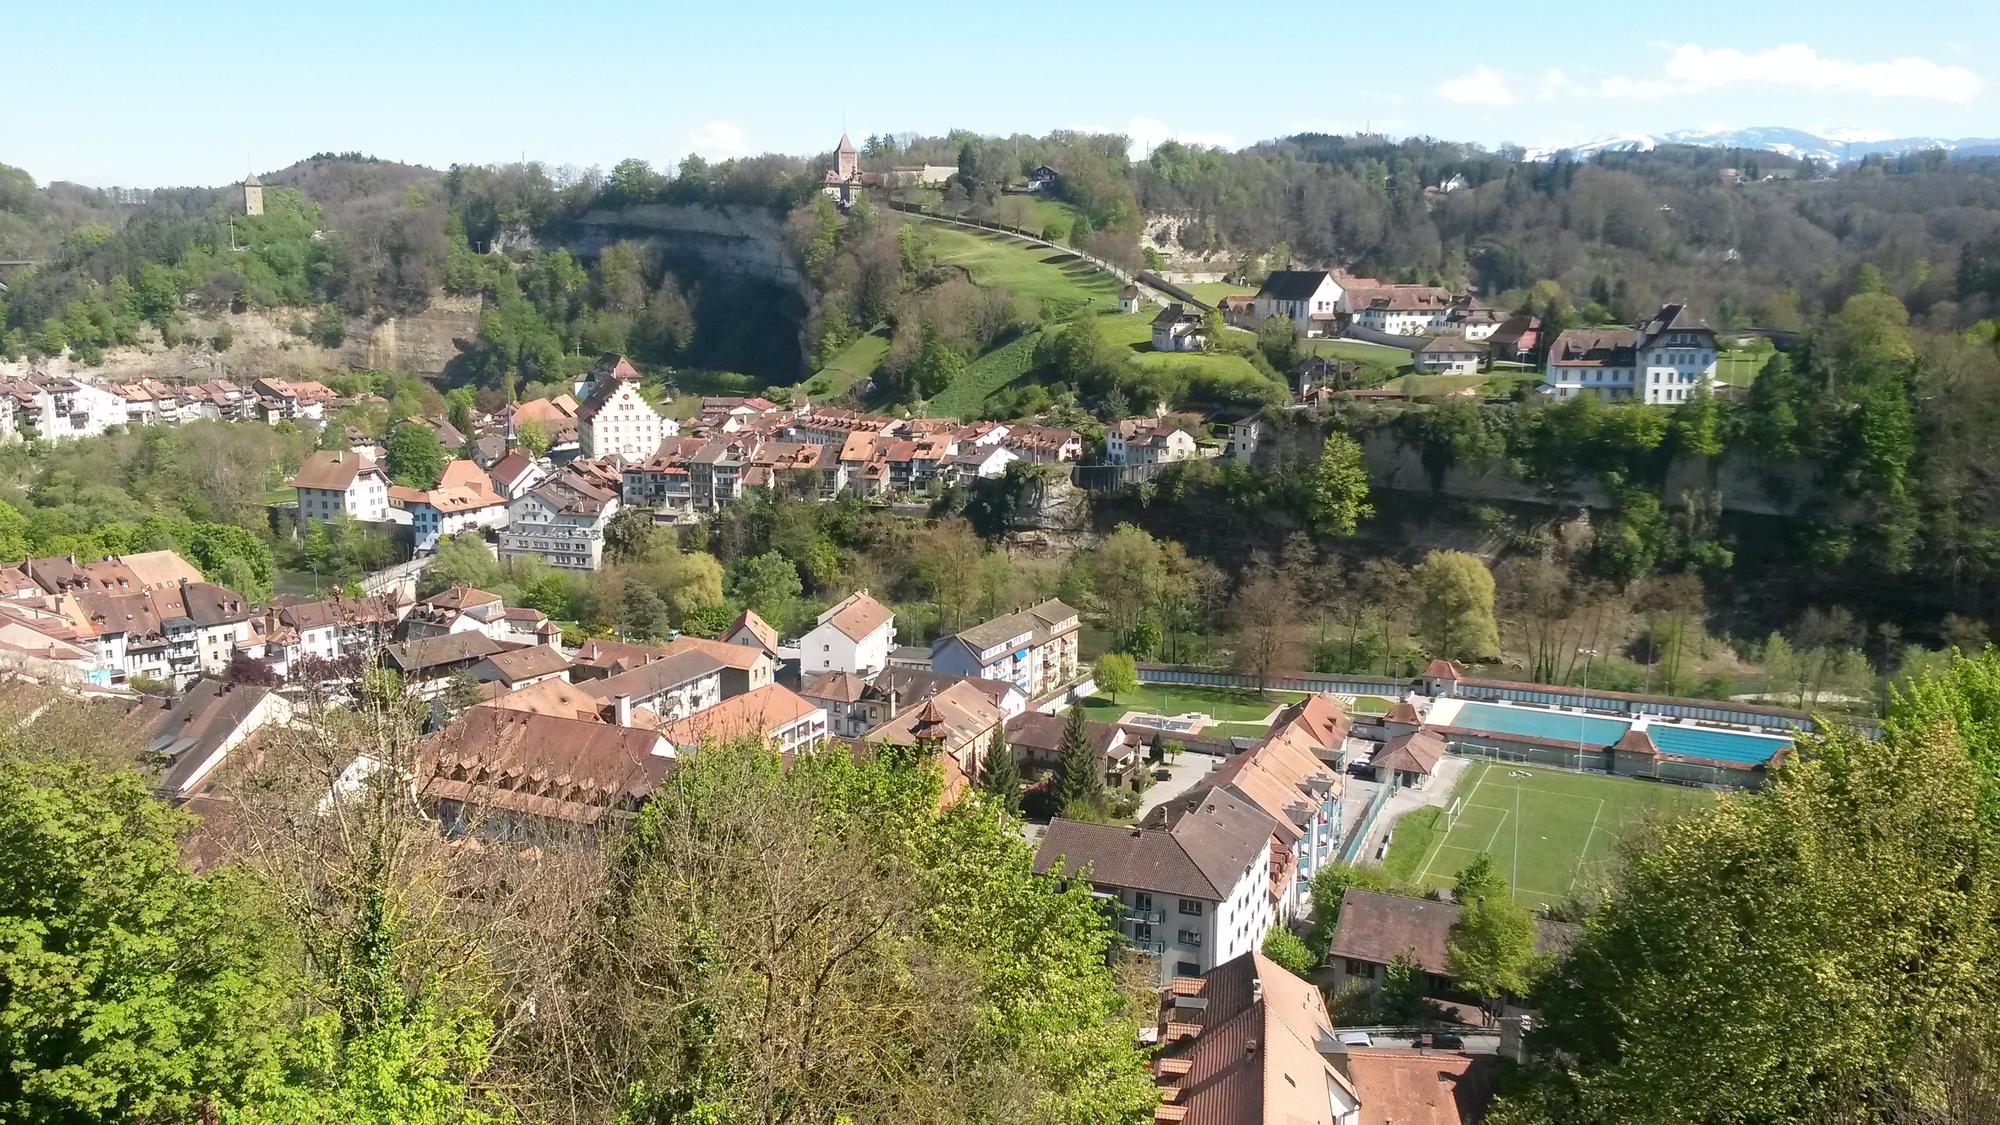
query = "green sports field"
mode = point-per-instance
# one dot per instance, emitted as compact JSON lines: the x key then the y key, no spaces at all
{"x":1551,"y":832}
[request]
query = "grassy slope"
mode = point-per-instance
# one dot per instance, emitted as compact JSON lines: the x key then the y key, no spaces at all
{"x":855,"y":362}
{"x":1233,"y":707}
{"x":1357,"y":351}
{"x":1062,"y":282}
{"x":985,"y":375}
{"x":1739,"y":369}
{"x":1136,"y":332}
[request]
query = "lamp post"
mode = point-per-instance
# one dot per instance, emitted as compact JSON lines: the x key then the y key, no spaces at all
{"x":1588,"y":654}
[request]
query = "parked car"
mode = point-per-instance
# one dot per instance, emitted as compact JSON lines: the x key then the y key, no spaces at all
{"x":1447,"y":1041}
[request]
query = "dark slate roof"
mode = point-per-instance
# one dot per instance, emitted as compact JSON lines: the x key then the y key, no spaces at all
{"x":1204,"y":855}
{"x":656,"y":676}
{"x":1376,"y":926}
{"x":1292,"y":285}
{"x":435,"y":652}
{"x":185,"y":732}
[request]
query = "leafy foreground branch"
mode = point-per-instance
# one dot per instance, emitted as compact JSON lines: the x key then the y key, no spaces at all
{"x":761,"y":943}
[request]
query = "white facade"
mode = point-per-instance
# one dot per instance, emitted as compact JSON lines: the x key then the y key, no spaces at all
{"x":1668,"y":361}
{"x":1323,"y":301}
{"x":1400,"y":322}
{"x":625,"y":425}
{"x":366,"y":499}
{"x":429,"y":523}
{"x":1192,"y":935}
{"x":72,"y":408}
{"x":560,"y":536}
{"x":828,"y":647}
{"x":1148,"y":443}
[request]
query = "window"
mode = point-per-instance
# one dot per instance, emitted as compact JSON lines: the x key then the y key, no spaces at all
{"x":1191,"y":906}
{"x":1189,"y":937}
{"x":1360,"y":969}
{"x":1141,"y":900}
{"x":1186,"y":969}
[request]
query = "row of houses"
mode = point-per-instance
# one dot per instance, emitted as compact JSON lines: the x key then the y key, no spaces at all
{"x":56,"y":407}
{"x":1207,"y":875}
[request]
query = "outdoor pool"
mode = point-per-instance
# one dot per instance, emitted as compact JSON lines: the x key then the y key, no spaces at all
{"x":1706,"y":743}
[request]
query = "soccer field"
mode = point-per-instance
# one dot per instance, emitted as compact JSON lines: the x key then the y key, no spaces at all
{"x":1550,"y":832}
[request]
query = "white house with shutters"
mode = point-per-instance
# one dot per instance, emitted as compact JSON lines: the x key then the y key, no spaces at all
{"x":616,"y":420}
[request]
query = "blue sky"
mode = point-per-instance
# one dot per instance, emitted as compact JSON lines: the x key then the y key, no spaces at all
{"x":123,"y":92}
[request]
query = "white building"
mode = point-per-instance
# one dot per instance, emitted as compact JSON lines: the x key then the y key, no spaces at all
{"x":1309,"y":298}
{"x":464,"y":500}
{"x":615,"y":420}
{"x":560,"y":521}
{"x":1446,"y":355}
{"x":1035,"y":649}
{"x":1666,"y":360}
{"x":338,"y":482}
{"x":1178,"y":328}
{"x":57,"y":408}
{"x":1399,"y":310}
{"x":1149,"y":441}
{"x":1194,"y":895}
{"x":854,"y":636}
{"x":1128,"y":299}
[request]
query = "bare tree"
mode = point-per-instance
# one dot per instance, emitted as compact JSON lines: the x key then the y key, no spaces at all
{"x":1264,"y":625}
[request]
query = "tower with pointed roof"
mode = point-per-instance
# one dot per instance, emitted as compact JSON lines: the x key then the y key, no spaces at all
{"x":846,"y":159}
{"x":253,"y":195}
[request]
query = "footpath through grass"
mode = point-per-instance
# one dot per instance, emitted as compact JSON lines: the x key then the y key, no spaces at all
{"x":1552,"y":832}
{"x":856,"y":361}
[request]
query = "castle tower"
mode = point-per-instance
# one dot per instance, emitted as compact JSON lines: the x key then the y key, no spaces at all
{"x":846,"y":161}
{"x":253,"y":196}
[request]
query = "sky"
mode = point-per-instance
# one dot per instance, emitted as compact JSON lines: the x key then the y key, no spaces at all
{"x":129,"y":93}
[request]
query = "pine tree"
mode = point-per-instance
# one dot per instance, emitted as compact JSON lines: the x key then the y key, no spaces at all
{"x":1077,"y":775}
{"x":1003,"y":777}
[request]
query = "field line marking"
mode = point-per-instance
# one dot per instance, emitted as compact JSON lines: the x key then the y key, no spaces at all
{"x":1438,"y":844}
{"x":1584,"y":853}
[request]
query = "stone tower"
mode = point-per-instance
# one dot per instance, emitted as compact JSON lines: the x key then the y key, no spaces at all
{"x":846,"y":161}
{"x":253,"y":196}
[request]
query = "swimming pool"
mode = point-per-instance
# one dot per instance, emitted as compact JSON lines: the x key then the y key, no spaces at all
{"x":1705,"y":743}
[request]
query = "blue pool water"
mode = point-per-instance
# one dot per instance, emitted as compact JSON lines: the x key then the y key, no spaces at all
{"x":1596,"y":730}
{"x":1716,"y":745}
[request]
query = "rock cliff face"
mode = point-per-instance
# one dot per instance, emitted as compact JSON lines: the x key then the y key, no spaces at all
{"x":737,"y":251}
{"x":263,"y":345}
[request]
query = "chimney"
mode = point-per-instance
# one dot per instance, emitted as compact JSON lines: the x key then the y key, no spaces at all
{"x":621,"y":708}
{"x":1249,"y":1046}
{"x":1256,"y":992}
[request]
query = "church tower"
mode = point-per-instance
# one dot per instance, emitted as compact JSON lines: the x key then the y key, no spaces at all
{"x":253,"y":196}
{"x":846,"y":161}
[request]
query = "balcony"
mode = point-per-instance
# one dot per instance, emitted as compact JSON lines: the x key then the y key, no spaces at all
{"x":1153,"y":947}
{"x":1149,"y":917}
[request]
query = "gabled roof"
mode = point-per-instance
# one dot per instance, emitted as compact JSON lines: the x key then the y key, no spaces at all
{"x":756,"y":628}
{"x":1376,"y":927}
{"x":185,"y":734}
{"x":1441,"y":670}
{"x":542,"y":765}
{"x":426,"y":653}
{"x":857,"y":615}
{"x":761,"y":714}
{"x":611,"y":373}
{"x":1245,"y":1049}
{"x":528,"y":663}
{"x":511,"y":467}
{"x":1416,"y":752}
{"x":1204,"y":855}
{"x":334,"y":469}
{"x":837,"y":687}
{"x":1038,"y":622}
{"x":956,"y":716}
{"x":1672,"y":318}
{"x":1448,"y":345}
{"x":459,"y":598}
{"x":655,"y":676}
{"x":1292,"y":285}
{"x":1043,"y":733}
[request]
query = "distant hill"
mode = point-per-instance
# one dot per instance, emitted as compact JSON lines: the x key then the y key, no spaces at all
{"x":1795,"y":143}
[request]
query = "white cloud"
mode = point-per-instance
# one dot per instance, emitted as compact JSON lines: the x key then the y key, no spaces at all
{"x":1146,"y":133}
{"x":719,"y":140}
{"x":1692,"y":69}
{"x":1482,"y":85}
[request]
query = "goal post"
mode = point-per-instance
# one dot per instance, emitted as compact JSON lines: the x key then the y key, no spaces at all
{"x":1451,"y":813}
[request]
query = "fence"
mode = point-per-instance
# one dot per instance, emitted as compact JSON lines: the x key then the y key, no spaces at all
{"x":1357,"y":839}
{"x":1544,"y":695}
{"x":1291,"y":681}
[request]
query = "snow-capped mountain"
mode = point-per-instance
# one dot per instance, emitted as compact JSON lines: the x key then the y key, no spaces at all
{"x":1840,"y":147}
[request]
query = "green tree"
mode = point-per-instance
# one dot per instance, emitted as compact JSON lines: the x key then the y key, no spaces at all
{"x":1291,"y":954}
{"x":1823,"y":949}
{"x":461,"y":560}
{"x":1490,"y":949}
{"x":1003,"y":774}
{"x":1455,"y":605}
{"x":768,"y":583}
{"x":1401,"y":1000}
{"x":1079,"y":780}
{"x":621,"y":278}
{"x":1338,"y":500}
{"x":415,"y":457}
{"x":130,"y":988}
{"x":1116,"y":673}
{"x":533,"y":436}
{"x":1329,"y":884}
